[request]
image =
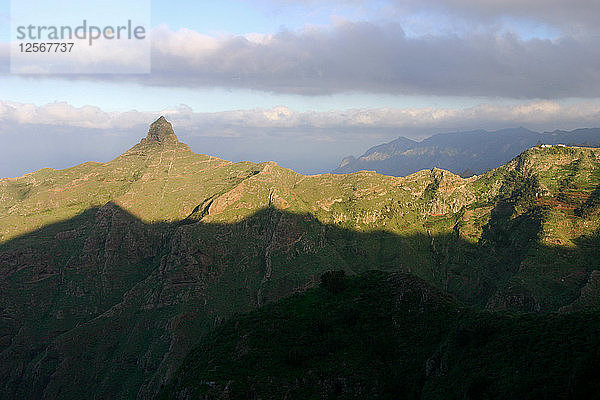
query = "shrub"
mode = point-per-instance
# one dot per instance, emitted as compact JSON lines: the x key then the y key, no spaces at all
{"x":334,"y":281}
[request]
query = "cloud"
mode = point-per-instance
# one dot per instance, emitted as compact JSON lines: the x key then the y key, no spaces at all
{"x":370,"y":58}
{"x":570,"y":14}
{"x":363,"y":57}
{"x":580,"y":14}
{"x":534,"y":114}
{"x":64,"y":114}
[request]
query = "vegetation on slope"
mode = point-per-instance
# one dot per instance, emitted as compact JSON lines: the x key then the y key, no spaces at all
{"x":110,"y":273}
{"x":389,"y":336}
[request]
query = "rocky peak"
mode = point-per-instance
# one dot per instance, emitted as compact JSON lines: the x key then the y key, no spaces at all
{"x":161,"y":131}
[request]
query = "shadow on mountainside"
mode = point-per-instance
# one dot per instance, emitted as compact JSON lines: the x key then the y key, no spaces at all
{"x":383,"y":335}
{"x":105,"y":305}
{"x":590,"y":205}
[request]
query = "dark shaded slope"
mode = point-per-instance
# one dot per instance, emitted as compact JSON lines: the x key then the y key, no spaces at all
{"x":390,"y":336}
{"x":58,"y":279}
{"x":107,"y":306}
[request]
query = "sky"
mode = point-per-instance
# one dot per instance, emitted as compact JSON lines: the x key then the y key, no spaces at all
{"x":305,"y":82}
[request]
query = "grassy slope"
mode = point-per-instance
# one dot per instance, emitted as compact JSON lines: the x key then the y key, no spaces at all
{"x":154,"y":182}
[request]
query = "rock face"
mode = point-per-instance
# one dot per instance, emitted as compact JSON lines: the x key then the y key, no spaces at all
{"x":161,"y":131}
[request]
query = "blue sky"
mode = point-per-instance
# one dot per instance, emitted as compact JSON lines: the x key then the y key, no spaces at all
{"x":236,"y":17}
{"x":139,"y":97}
{"x":319,"y":69}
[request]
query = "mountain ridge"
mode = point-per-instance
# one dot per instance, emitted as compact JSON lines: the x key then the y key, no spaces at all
{"x":112,"y":272}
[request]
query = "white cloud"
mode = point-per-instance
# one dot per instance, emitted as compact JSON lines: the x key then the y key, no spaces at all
{"x":64,"y":114}
{"x":536,"y":114}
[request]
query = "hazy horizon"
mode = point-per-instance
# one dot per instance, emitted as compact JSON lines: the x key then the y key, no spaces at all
{"x":97,"y":145}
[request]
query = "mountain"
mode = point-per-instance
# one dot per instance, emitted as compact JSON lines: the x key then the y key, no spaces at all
{"x":463,"y":153}
{"x":111,"y":273}
{"x":381,"y":335}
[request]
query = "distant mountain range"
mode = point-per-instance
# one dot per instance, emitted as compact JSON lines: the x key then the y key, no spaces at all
{"x":463,"y":153}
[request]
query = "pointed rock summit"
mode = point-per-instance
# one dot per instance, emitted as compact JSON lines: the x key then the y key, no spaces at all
{"x":160,"y":136}
{"x":161,"y":131}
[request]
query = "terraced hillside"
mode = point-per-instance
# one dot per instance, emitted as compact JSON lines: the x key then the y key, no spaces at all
{"x":110,"y":273}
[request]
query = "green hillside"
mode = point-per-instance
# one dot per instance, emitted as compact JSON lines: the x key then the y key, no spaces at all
{"x":110,"y":273}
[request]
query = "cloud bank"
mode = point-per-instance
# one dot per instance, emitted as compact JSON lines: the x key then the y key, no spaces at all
{"x":534,"y":114}
{"x":364,"y":57}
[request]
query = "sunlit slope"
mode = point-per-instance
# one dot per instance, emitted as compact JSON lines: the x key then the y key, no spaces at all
{"x":154,"y":181}
{"x":530,"y":226}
